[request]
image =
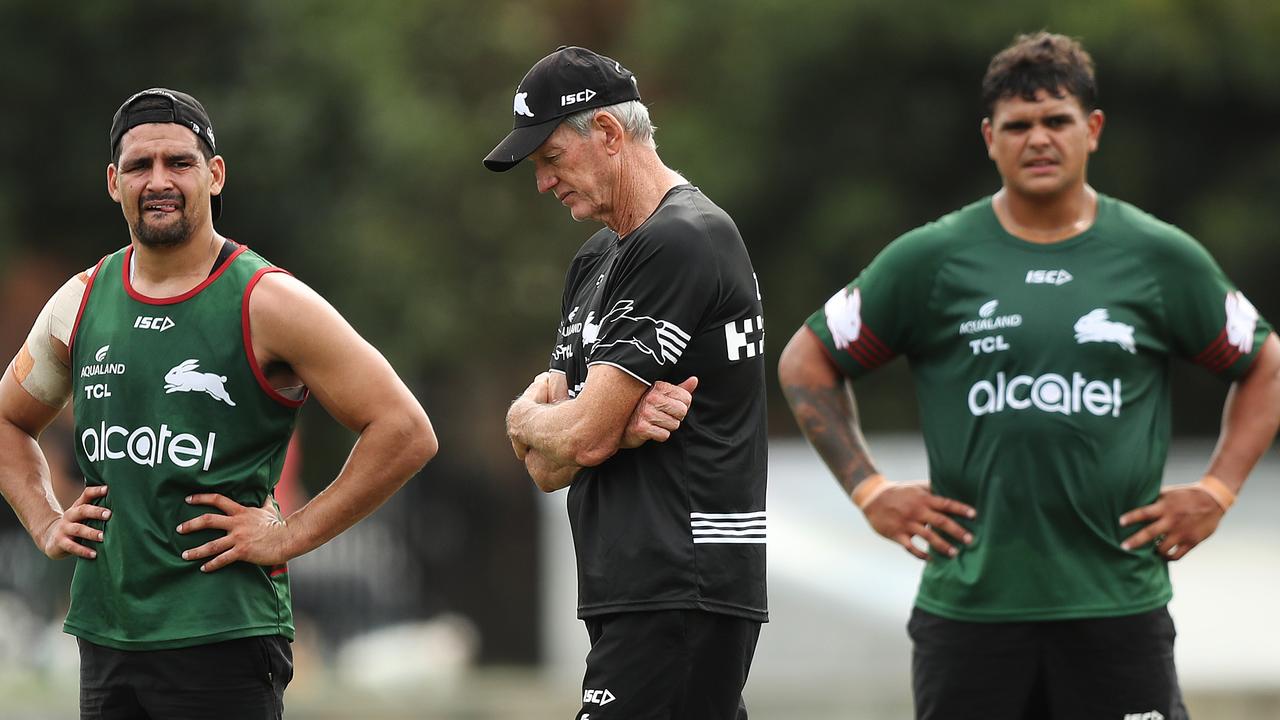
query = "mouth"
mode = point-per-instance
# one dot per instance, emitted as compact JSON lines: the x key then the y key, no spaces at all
{"x":564,"y":198}
{"x":1040,"y":164}
{"x":161,"y":206}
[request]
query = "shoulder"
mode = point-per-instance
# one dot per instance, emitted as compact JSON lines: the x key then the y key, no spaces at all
{"x":1158,"y":243}
{"x":280,"y":305}
{"x":688,"y":225}
{"x":287,"y":318}
{"x":929,"y":245}
{"x":276,"y":290}
{"x":596,"y":245}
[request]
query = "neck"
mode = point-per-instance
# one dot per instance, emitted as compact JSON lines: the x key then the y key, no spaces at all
{"x":1046,"y":220}
{"x":173,"y":270}
{"x":643,"y":180}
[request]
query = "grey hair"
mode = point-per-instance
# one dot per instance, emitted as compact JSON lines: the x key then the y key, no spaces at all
{"x":632,"y":115}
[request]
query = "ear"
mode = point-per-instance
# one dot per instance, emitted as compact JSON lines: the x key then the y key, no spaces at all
{"x":113,"y":174}
{"x":1094,"y":122}
{"x":218,"y":169}
{"x":986,"y":135}
{"x":613,"y":132}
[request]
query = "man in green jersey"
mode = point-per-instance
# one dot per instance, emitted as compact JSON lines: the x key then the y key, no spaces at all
{"x":188,"y":356}
{"x":1039,"y":323}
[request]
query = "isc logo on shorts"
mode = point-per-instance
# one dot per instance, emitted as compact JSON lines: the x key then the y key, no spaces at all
{"x":597,"y":697}
{"x":1153,"y":715}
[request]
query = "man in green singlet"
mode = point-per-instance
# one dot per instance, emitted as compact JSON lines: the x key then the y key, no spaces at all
{"x":188,"y":356}
{"x":1039,"y":323}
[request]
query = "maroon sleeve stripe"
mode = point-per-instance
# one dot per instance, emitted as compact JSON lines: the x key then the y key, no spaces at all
{"x":1213,"y":348}
{"x":874,"y":342}
{"x":868,"y":350}
{"x":1220,"y":354}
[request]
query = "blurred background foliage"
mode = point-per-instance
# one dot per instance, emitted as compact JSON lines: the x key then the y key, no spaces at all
{"x":353,"y":134}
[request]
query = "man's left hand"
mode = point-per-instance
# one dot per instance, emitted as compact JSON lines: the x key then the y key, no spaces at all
{"x":1183,"y":517}
{"x":253,"y":534}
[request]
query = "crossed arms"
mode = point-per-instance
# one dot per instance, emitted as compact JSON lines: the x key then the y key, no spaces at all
{"x":555,"y":436}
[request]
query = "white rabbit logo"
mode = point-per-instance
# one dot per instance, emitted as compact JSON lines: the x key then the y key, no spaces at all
{"x":185,"y":378}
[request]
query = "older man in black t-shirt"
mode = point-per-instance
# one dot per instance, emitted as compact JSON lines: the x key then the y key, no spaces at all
{"x":666,"y":493}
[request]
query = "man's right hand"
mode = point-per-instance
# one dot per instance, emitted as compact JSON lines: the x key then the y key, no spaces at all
{"x":659,"y":413}
{"x":901,"y":511}
{"x":60,"y":537}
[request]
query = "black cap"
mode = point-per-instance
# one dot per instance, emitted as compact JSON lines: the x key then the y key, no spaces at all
{"x":568,"y":80}
{"x":161,"y":105}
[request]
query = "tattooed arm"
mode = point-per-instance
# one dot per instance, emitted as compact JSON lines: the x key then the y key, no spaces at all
{"x":822,"y":401}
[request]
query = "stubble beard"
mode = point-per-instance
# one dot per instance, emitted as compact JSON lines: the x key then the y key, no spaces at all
{"x":171,"y":234}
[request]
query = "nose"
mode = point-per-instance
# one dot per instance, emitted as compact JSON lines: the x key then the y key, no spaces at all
{"x":1039,"y":136}
{"x":546,"y":179}
{"x":159,"y":178}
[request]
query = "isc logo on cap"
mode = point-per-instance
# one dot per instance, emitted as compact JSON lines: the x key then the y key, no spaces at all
{"x":578,"y":97}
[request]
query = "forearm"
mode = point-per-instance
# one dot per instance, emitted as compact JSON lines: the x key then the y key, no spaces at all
{"x":560,"y":433}
{"x":828,"y":417}
{"x":825,"y":409}
{"x":388,"y":452}
{"x":25,"y":482}
{"x":1250,"y":418}
{"x":547,"y":475}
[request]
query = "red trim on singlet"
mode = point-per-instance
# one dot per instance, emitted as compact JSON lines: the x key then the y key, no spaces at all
{"x":84,"y":302}
{"x":279,"y":570}
{"x":217,"y":273}
{"x":248,"y":343}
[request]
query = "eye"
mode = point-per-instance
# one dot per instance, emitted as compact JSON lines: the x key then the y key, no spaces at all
{"x":1057,"y":121}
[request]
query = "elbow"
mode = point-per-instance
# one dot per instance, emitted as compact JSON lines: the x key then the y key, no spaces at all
{"x":593,"y":455}
{"x":796,"y":359}
{"x":418,"y":439}
{"x":590,"y":447}
{"x":787,"y":364}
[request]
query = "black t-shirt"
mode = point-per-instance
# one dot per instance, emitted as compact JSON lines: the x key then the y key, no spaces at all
{"x":677,"y":524}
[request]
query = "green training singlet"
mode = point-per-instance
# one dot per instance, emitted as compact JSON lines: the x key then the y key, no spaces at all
{"x":1042,"y":373}
{"x":169,"y":402}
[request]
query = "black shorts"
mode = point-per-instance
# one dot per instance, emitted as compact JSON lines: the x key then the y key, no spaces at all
{"x":1118,"y":668}
{"x":242,"y":679}
{"x":669,"y":664}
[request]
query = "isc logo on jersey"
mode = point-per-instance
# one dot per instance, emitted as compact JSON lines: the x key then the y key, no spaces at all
{"x":147,"y":446}
{"x":159,"y":324}
{"x":597,"y":697}
{"x":1049,"y":277}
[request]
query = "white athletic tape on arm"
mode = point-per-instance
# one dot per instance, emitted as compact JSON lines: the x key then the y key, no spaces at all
{"x":38,"y":367}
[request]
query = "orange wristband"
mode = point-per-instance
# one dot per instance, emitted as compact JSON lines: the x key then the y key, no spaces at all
{"x":869,"y":490}
{"x":1217,"y":490}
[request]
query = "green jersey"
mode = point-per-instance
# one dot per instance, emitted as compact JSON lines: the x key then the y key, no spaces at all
{"x":1042,"y":374}
{"x":169,"y":401}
